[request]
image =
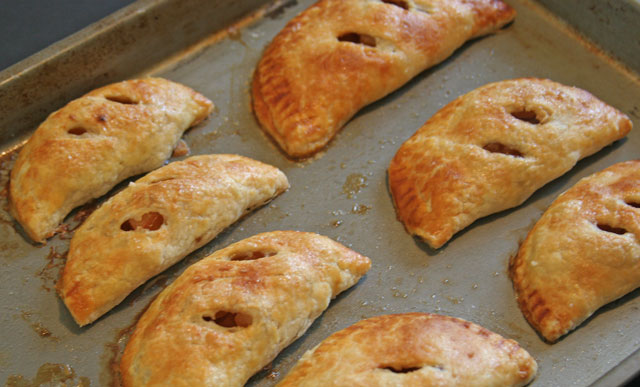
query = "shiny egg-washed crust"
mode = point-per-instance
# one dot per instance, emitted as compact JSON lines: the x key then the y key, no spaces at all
{"x":583,"y":253}
{"x":475,"y":157}
{"x":178,"y":343}
{"x":413,"y":349}
{"x":84,"y":149}
{"x":308,"y":84}
{"x":196,"y":199}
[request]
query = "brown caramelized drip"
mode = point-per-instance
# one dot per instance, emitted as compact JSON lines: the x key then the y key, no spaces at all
{"x":51,"y":271}
{"x":354,"y":184}
{"x":181,"y":149}
{"x":112,"y":355}
{"x":50,"y":374}
{"x":360,"y":209}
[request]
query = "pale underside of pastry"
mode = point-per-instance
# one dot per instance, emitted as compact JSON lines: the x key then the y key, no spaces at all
{"x":583,"y":253}
{"x":413,"y":349}
{"x":84,"y":149}
{"x":157,"y":221}
{"x":491,"y":148}
{"x":340,"y":55}
{"x":229,"y":315}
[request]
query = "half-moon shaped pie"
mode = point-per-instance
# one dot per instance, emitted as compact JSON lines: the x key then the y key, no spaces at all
{"x":157,"y":221}
{"x":84,"y":149}
{"x":491,"y":148}
{"x":229,"y":315}
{"x":413,"y":349}
{"x":340,"y":55}
{"x":583,"y":253}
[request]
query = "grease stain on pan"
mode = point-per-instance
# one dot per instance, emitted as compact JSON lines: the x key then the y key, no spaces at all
{"x":50,"y":374}
{"x":7,"y":160}
{"x":38,"y":327}
{"x":110,"y":375}
{"x":113,"y":351}
{"x":50,"y":273}
{"x":354,"y":183}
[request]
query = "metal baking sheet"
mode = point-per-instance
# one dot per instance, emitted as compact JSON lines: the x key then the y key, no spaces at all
{"x":342,"y":193}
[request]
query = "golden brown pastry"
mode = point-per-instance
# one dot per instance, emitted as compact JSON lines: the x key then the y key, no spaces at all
{"x":84,"y":149}
{"x":491,"y":148}
{"x":157,"y":221}
{"x":230,"y":314}
{"x":583,"y":253}
{"x":413,"y":349}
{"x":340,"y":55}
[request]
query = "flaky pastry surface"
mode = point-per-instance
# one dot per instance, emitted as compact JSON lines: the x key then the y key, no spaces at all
{"x":491,"y":148}
{"x":583,"y":253}
{"x":157,"y":221}
{"x":340,"y":55}
{"x":274,"y":283}
{"x":413,"y":349}
{"x":84,"y":149}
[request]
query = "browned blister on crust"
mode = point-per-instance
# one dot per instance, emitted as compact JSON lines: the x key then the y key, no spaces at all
{"x":413,"y":349}
{"x":491,"y":148}
{"x":583,"y":253}
{"x":84,"y":149}
{"x":157,"y":221}
{"x":229,"y":315}
{"x":340,"y":55}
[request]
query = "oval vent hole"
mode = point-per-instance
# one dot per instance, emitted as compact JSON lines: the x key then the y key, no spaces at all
{"x":615,"y":230}
{"x":77,"y":131}
{"x":123,"y":99}
{"x":230,"y":319}
{"x":354,"y":37}
{"x":633,"y":204}
{"x":496,"y":147}
{"x":403,"y":370}
{"x":151,"y":221}
{"x":398,"y":3}
{"x":251,"y":255}
{"x":526,"y":115}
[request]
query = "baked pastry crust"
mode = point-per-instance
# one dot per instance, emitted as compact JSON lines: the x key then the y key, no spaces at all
{"x":414,"y":349}
{"x":157,"y":221}
{"x":84,"y":149}
{"x":583,"y":253}
{"x":491,"y":148}
{"x":309,"y":83}
{"x":275,"y":299}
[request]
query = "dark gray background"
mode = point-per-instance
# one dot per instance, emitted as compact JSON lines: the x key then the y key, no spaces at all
{"x":28,"y":26}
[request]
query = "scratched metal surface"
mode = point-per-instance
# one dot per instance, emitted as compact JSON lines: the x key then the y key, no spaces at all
{"x":466,"y":278}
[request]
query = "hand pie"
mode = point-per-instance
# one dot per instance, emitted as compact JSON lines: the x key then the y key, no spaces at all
{"x":413,"y":349}
{"x":157,"y":221}
{"x":229,"y":315}
{"x":583,"y":253}
{"x":84,"y":149}
{"x":340,"y":55}
{"x":490,"y":149}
